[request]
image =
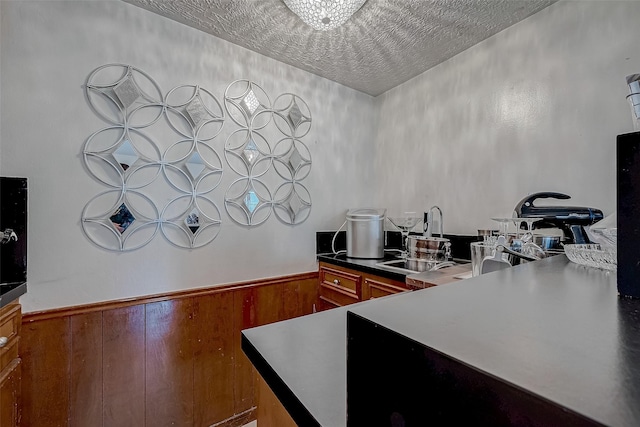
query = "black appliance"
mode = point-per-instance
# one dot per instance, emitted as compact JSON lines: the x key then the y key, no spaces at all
{"x":628,"y":214}
{"x":570,"y":219}
{"x":13,"y":230}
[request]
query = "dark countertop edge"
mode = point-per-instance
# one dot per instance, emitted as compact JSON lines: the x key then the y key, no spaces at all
{"x":269,"y":365}
{"x":12,"y":294}
{"x":289,"y":400}
{"x":471,"y":367}
{"x":361,"y":265}
{"x":579,"y":284}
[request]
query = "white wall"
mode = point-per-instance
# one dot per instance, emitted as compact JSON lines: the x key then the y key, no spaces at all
{"x":535,"y":108}
{"x":49,"y":48}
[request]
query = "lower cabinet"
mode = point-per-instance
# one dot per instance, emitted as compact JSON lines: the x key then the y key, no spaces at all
{"x":271,"y":413}
{"x":375,"y":288}
{"x":10,"y":395}
{"x":10,"y":365}
{"x":340,"y":286}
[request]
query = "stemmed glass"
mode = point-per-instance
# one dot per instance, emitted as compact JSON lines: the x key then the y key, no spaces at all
{"x":529,"y":221}
{"x":405,"y":224}
{"x":529,"y":247}
{"x":503,"y":224}
{"x":517,"y":221}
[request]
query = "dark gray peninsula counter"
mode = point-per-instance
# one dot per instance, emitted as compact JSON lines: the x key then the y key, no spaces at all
{"x":10,"y":292}
{"x":548,"y":341}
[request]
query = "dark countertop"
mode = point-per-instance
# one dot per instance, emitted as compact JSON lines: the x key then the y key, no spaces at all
{"x":413,"y":280}
{"x":460,"y":252}
{"x":552,"y":328}
{"x":11,"y":291}
{"x":303,"y":360}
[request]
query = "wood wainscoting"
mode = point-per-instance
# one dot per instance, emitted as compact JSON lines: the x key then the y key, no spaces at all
{"x":162,"y":360}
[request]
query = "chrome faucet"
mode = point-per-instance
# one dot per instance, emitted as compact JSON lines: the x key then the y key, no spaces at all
{"x":428,"y":222}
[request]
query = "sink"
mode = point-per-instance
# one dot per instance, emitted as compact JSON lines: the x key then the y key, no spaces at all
{"x":400,"y":266}
{"x":396,"y":265}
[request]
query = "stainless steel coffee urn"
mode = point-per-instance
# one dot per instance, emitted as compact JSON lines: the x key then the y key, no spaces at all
{"x":365,"y":233}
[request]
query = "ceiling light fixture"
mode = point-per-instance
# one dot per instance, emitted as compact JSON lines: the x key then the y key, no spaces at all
{"x":324,"y":14}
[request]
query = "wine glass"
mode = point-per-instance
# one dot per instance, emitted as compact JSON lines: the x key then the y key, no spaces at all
{"x":503,"y":224}
{"x":405,"y":224}
{"x":529,"y":221}
{"x":529,"y":247}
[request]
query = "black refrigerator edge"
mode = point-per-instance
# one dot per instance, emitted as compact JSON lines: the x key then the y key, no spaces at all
{"x":628,"y":214}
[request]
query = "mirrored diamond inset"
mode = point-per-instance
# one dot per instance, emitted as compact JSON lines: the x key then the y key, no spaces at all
{"x":251,"y":200}
{"x":251,"y":152}
{"x":295,"y":115}
{"x":127,"y":92}
{"x":250,"y":103}
{"x":125,"y":155}
{"x":122,"y":218}
{"x":295,"y":159}
{"x":195,"y":165}
{"x":196,"y":112}
{"x":192,"y":221}
{"x":294,"y":205}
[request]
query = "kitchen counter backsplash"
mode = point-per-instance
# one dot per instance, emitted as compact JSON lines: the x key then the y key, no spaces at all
{"x":460,"y":248}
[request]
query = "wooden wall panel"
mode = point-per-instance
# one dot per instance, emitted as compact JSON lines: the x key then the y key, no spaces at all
{"x":155,"y":361}
{"x":269,"y":304}
{"x":244,"y":317}
{"x":85,"y":397}
{"x":308,"y":297}
{"x":213,"y":360}
{"x":45,"y":349}
{"x":290,"y":300}
{"x":123,"y":369}
{"x":169,"y":363}
{"x":299,"y":298}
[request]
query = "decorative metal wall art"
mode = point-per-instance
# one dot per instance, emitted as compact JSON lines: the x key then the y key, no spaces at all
{"x":127,"y":158}
{"x":250,"y":199}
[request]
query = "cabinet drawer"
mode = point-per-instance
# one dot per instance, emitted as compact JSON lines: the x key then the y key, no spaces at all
{"x":10,"y":320}
{"x":8,"y":353}
{"x":341,"y":280}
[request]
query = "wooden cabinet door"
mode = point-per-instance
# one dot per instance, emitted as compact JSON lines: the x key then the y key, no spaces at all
{"x":10,"y":395}
{"x":373,"y":288}
{"x":10,"y":369}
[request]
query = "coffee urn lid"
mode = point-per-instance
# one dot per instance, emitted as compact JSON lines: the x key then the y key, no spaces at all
{"x":366,"y":213}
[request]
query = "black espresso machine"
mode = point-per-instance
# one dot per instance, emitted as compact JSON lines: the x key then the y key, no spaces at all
{"x":570,"y":219}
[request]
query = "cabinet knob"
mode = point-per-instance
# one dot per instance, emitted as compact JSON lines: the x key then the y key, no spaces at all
{"x":3,"y":341}
{"x":336,"y":281}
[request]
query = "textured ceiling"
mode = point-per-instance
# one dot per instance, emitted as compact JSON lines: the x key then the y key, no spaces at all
{"x":384,"y":44}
